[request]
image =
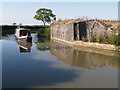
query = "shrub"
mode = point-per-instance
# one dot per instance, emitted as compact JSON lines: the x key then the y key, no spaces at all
{"x":111,"y":39}
{"x":84,"y":39}
{"x":94,"y":39}
{"x":43,"y":32}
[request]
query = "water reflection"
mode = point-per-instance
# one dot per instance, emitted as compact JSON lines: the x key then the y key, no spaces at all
{"x":25,"y":71}
{"x":24,"y":46}
{"x":43,"y":44}
{"x":81,"y":58}
{"x":41,"y":68}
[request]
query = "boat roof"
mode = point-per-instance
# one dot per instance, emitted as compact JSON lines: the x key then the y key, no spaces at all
{"x":22,"y":29}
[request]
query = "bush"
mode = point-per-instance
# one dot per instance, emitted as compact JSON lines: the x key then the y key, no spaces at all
{"x":43,"y":32}
{"x":111,"y":39}
{"x":94,"y":39}
{"x":84,"y":39}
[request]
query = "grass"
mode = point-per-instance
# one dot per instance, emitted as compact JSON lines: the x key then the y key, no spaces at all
{"x":111,"y":39}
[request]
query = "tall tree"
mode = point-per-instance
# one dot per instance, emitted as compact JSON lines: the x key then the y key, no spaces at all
{"x":45,"y":15}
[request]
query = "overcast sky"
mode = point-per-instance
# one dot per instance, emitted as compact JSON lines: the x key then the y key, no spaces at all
{"x":23,"y":12}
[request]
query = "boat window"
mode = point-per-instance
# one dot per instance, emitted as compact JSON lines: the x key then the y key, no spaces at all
{"x":24,"y":32}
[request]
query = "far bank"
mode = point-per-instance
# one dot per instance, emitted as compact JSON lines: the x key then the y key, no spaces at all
{"x":42,"y":31}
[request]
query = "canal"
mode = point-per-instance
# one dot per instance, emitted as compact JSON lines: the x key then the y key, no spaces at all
{"x":51,"y":64}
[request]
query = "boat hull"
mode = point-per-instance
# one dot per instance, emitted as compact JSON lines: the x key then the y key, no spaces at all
{"x":27,"y":39}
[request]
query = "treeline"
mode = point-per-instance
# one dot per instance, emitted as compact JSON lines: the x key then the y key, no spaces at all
{"x":10,"y":29}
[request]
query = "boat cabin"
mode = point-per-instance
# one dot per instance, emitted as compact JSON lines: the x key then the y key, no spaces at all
{"x":23,"y":33}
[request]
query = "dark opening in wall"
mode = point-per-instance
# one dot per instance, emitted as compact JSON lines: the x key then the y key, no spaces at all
{"x":82,"y":30}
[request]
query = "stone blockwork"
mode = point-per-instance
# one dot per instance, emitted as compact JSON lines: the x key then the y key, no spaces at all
{"x":71,"y":31}
{"x":95,"y":28}
{"x":62,"y":31}
{"x":75,"y":32}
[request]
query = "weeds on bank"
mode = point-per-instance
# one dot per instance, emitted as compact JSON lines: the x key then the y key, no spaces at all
{"x":111,"y":39}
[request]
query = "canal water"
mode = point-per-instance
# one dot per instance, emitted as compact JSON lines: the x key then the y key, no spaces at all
{"x":51,"y":64}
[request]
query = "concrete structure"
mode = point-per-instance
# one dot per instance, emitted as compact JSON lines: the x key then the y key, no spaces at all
{"x":77,"y":30}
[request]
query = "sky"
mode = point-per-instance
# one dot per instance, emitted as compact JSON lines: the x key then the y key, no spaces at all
{"x":23,"y":12}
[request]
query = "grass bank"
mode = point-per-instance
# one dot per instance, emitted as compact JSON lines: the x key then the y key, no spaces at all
{"x":111,"y":39}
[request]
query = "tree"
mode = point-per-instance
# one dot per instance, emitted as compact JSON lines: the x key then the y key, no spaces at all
{"x":14,"y":24}
{"x":45,"y":15}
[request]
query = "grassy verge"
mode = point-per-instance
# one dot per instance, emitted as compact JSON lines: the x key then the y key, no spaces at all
{"x":111,"y":39}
